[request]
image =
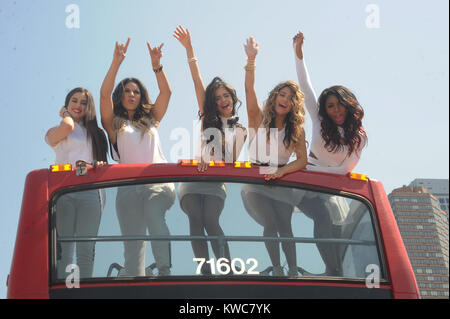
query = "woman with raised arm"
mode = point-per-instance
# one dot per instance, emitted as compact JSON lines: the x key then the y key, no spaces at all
{"x":278,"y":127}
{"x":222,"y":138}
{"x":338,"y":138}
{"x":132,"y":121}
{"x":78,"y":137}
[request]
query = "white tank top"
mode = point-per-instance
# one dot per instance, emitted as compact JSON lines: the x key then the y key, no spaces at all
{"x":74,"y":147}
{"x":275,"y":154}
{"x":135,"y":147}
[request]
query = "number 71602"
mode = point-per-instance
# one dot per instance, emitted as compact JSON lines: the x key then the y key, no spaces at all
{"x":223,"y":266}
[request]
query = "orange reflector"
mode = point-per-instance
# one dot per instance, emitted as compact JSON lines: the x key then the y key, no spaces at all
{"x":61,"y":168}
{"x":188,"y":162}
{"x":242,"y":164}
{"x":361,"y":177}
{"x":217,"y":164}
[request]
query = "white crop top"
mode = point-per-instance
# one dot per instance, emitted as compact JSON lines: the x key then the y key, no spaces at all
{"x":135,"y":147}
{"x":338,"y":162}
{"x":74,"y":147}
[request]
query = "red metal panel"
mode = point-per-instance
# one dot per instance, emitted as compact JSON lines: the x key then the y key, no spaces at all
{"x":404,"y":283}
{"x":29,"y":268}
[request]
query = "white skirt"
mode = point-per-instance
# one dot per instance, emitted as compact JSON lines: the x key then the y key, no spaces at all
{"x":277,"y":193}
{"x":202,"y":188}
{"x":336,"y":205}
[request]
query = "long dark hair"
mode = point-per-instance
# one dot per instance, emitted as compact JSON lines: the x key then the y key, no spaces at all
{"x":142,"y":117}
{"x":96,"y":134}
{"x":353,"y":129}
{"x":211,"y":115}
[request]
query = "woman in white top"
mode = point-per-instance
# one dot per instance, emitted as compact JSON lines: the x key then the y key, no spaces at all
{"x":78,"y":137}
{"x":222,"y":138}
{"x":281,"y":121}
{"x":131,"y":121}
{"x":338,"y":138}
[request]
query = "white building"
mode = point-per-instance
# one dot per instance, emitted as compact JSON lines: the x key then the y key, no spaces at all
{"x":437,"y":187}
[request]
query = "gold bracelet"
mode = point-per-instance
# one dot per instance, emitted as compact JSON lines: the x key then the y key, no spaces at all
{"x":250,"y":66}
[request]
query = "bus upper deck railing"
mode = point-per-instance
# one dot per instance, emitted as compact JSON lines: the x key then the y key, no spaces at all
{"x":218,"y":238}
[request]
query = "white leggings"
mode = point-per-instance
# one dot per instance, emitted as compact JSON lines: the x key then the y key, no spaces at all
{"x":140,"y":208}
{"x":78,"y":214}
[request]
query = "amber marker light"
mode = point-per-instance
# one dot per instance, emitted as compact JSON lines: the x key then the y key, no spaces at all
{"x":188,"y":162}
{"x":361,"y":177}
{"x":242,"y":164}
{"x":61,"y":168}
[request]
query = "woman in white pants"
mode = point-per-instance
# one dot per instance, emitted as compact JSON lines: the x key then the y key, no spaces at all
{"x":338,"y":138}
{"x":78,"y":137}
{"x":131,"y":121}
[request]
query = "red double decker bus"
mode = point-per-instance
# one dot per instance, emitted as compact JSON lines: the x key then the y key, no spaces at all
{"x":361,"y":242}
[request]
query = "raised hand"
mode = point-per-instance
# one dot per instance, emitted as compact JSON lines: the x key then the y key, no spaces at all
{"x":251,"y":48}
{"x":298,"y":41}
{"x":155,"y":54}
{"x":183,"y":36}
{"x":120,"y":51}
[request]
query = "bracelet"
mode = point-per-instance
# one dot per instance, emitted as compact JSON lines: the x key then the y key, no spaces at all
{"x":193,"y":59}
{"x":66,"y":114}
{"x":251,"y":65}
{"x":159,"y":69}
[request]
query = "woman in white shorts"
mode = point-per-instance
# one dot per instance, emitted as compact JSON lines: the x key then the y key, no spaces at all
{"x":132,"y":121}
{"x":78,"y":137}
{"x":338,"y":138}
{"x":277,"y":128}
{"x":222,"y":138}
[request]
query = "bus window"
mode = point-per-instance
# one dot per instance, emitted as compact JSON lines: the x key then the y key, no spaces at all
{"x":107,"y":233}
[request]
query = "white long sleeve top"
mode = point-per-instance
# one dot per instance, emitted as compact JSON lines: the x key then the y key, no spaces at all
{"x":339,"y":162}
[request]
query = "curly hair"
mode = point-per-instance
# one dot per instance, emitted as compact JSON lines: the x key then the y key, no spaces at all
{"x":353,"y":129}
{"x":294,"y":119}
{"x":142,"y":118}
{"x":96,"y":134}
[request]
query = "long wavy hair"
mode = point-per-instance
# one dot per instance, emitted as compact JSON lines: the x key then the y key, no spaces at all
{"x":89,"y":121}
{"x":143,"y":118}
{"x":294,"y":119}
{"x":211,"y":115}
{"x":353,"y":129}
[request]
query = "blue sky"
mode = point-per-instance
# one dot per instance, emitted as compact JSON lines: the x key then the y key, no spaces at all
{"x":398,"y":71}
